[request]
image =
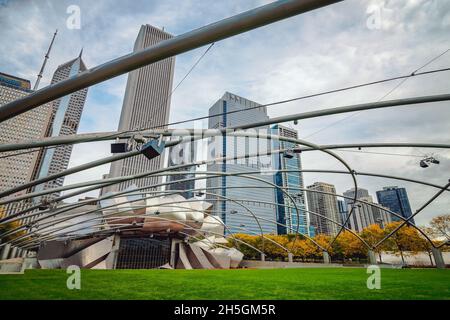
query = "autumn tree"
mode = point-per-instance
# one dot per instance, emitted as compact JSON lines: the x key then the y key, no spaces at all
{"x":324,"y":241}
{"x":349,"y":245}
{"x":440,"y":227}
{"x":404,"y":239}
{"x":271,"y":249}
{"x":5,"y":227}
{"x":303,"y":248}
{"x":242,"y":240}
{"x":372,"y":235}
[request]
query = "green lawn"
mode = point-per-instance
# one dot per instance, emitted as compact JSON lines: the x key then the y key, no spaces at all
{"x":323,"y":283}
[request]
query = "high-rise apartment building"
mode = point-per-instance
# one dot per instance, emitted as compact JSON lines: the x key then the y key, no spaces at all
{"x":146,"y":105}
{"x":257,"y":196}
{"x":396,"y":199}
{"x":323,"y":202}
{"x":364,"y":214}
{"x":65,"y":119}
{"x":291,"y":182}
{"x":361,"y":193}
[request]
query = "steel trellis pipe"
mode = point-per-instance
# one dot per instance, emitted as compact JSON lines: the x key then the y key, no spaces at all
{"x":93,"y":211}
{"x":393,"y":213}
{"x":175,"y":173}
{"x":211,"y":133}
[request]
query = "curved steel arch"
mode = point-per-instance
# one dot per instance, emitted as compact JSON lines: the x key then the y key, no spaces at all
{"x":371,"y":204}
{"x":213,"y":133}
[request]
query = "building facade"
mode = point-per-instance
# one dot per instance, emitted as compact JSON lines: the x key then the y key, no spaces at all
{"x":178,"y":155}
{"x":365,"y":213}
{"x":16,"y":170}
{"x":257,"y":196}
{"x":292,"y":183}
{"x":342,"y":208}
{"x":146,"y":105}
{"x":361,"y":193}
{"x":324,"y":203}
{"x":396,"y":199}
{"x":65,"y":120}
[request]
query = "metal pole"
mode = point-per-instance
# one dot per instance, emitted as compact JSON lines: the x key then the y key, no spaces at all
{"x":350,"y":108}
{"x":214,"y":32}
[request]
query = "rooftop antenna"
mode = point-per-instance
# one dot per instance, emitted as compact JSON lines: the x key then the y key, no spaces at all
{"x":36,"y":85}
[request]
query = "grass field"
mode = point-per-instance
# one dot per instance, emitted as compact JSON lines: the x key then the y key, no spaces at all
{"x":317,"y":283}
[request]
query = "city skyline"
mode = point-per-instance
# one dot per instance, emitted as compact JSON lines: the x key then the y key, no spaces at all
{"x":189,"y":101}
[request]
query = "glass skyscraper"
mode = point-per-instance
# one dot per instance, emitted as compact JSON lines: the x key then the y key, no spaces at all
{"x":292,"y":182}
{"x":396,"y":200}
{"x":255,"y":196}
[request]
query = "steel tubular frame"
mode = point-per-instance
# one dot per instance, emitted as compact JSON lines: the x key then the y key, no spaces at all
{"x":357,"y":200}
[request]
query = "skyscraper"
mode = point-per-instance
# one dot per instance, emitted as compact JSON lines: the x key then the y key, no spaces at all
{"x":31,"y":125}
{"x":364,"y":214}
{"x":182,"y":154}
{"x":351,"y":193}
{"x":325,"y":205}
{"x":146,"y":105}
{"x":65,"y":119}
{"x":291,"y":182}
{"x":342,"y":208}
{"x":396,"y":199}
{"x":257,"y":196}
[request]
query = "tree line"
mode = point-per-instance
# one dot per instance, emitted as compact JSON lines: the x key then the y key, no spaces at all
{"x":347,"y":245}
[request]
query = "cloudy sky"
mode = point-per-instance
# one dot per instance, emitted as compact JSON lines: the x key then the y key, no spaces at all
{"x":341,"y":45}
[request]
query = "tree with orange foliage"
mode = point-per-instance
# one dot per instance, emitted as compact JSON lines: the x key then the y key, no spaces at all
{"x":248,"y":251}
{"x":372,"y":235}
{"x":404,"y":239}
{"x":271,"y":249}
{"x":5,"y":227}
{"x":324,"y":241}
{"x":304,"y":249}
{"x":349,"y":245}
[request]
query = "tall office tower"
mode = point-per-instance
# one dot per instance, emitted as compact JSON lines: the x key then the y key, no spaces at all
{"x":31,"y":125}
{"x":65,"y":119}
{"x":325,"y":205}
{"x":258,"y":196}
{"x":396,"y":199}
{"x":146,"y":105}
{"x":178,"y":155}
{"x":291,"y":182}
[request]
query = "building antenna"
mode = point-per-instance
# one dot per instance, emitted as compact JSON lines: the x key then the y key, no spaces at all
{"x":36,"y":85}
